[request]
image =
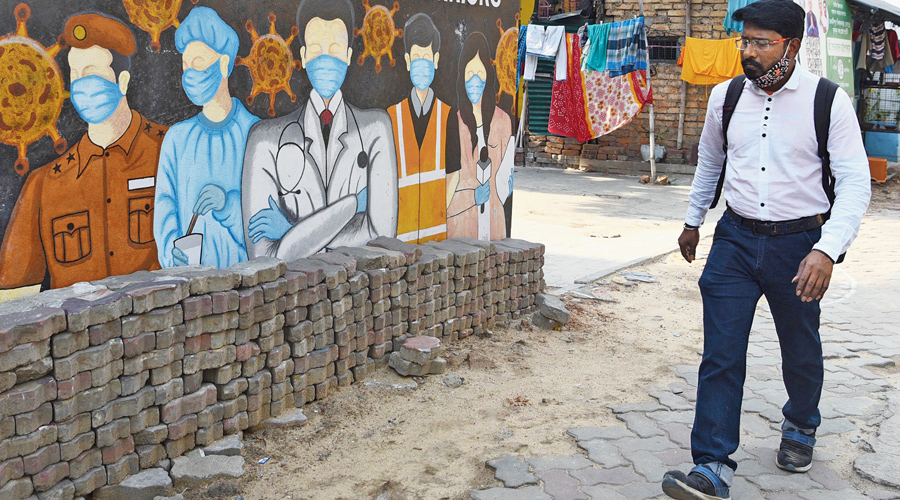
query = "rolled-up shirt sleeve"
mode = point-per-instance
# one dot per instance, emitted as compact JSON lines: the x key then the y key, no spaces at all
{"x":852,"y":187}
{"x":710,"y":158}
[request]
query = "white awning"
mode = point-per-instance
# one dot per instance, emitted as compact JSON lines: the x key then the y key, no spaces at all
{"x":890,"y":7}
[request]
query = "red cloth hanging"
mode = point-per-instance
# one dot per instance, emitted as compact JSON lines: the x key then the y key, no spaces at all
{"x":892,"y":44}
{"x":568,"y":108}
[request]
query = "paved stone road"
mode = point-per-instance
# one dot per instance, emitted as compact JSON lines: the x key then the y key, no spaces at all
{"x":858,"y":450}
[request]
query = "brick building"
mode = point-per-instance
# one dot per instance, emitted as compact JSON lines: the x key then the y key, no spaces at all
{"x":665,"y":21}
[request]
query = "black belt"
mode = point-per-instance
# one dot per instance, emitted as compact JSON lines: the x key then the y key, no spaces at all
{"x":765,"y":228}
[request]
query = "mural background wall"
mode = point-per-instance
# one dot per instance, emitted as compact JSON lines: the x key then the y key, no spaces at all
{"x":155,"y":89}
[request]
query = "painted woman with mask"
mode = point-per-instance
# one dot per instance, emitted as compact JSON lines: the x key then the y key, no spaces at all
{"x":199,"y":179}
{"x":483,"y":182}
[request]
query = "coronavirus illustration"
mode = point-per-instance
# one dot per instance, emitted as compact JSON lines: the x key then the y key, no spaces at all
{"x":378,"y":33}
{"x":31,"y":90}
{"x":154,"y":16}
{"x":270,"y":63}
{"x":505,"y":59}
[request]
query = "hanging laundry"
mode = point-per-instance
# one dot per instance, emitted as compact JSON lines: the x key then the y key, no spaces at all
{"x":611,"y":103}
{"x":568,"y":110}
{"x":730,"y":24}
{"x":708,"y":62}
{"x":545,"y":42}
{"x":640,"y":87}
{"x":598,"y":34}
{"x":520,"y":60}
{"x":864,"y":47}
{"x":626,"y":47}
{"x":893,"y":45}
{"x":877,"y":41}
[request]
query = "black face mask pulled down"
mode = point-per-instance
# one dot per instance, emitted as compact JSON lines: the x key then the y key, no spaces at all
{"x":775,"y":74}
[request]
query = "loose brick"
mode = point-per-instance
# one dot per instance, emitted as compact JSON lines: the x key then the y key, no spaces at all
{"x":49,"y":477}
{"x":192,"y":403}
{"x":90,"y":481}
{"x":11,"y":469}
{"x":184,"y":426}
{"x":78,"y":445}
{"x":126,"y":466}
{"x":42,"y":458}
{"x":117,"y":450}
{"x":85,"y":462}
{"x":175,"y":449}
{"x":27,"y":423}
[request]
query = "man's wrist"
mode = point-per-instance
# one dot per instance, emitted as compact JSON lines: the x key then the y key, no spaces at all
{"x":688,"y":227}
{"x":823,"y":253}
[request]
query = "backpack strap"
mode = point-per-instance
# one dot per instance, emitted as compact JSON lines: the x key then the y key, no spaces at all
{"x":825,"y":91}
{"x":735,"y":88}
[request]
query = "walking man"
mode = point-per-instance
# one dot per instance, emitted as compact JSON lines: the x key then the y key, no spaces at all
{"x":780,"y":237}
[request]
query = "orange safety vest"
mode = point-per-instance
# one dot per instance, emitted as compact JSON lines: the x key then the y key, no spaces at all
{"x":421,"y":174}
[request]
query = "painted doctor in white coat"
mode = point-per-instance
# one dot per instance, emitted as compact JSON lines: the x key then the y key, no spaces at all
{"x":325,"y":175}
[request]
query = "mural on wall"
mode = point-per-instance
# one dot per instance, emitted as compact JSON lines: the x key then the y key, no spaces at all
{"x":420,"y":137}
{"x":483,"y":179}
{"x":197,"y":219}
{"x":378,"y":34}
{"x":505,"y":60}
{"x":154,"y":16}
{"x":88,"y":214}
{"x":271,"y":63}
{"x":32,"y":93}
{"x":420,"y":150}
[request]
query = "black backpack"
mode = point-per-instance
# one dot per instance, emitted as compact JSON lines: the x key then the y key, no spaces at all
{"x":825,"y":91}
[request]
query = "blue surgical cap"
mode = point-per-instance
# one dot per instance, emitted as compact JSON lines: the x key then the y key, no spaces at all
{"x":204,"y":25}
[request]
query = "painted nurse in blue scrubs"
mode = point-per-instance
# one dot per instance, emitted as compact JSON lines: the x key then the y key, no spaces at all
{"x":199,"y":180}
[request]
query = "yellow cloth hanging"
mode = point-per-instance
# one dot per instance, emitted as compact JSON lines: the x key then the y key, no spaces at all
{"x":708,"y":62}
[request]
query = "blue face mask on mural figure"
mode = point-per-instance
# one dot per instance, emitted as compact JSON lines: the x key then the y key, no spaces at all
{"x":421,"y":72}
{"x":326,"y":74}
{"x":201,"y":86}
{"x":95,"y":98}
{"x":475,"y":88}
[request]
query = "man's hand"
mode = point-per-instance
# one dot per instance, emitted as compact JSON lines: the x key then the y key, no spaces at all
{"x":179,"y":258}
{"x":688,"y":242}
{"x":813,"y":276}
{"x":483,"y":193}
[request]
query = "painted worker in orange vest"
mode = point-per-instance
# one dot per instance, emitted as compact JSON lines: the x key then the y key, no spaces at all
{"x":420,"y":137}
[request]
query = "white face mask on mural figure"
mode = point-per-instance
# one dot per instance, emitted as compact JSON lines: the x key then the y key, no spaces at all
{"x":102,"y":105}
{"x":205,"y":80}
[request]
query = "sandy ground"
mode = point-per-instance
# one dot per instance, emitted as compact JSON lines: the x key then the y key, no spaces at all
{"x":523,"y":388}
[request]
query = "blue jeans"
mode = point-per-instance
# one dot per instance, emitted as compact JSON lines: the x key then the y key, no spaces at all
{"x":742,"y":267}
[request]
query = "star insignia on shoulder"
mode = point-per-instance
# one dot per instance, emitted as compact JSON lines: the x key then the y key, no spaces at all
{"x":71,"y":157}
{"x":160,"y":133}
{"x":56,"y":168}
{"x":147,"y":128}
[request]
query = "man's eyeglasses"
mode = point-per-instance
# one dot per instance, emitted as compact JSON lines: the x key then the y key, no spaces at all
{"x":743,"y":44}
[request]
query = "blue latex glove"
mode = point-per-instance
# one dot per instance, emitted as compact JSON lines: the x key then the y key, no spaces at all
{"x":179,"y":258}
{"x":510,"y":182}
{"x":483,"y":193}
{"x":268,"y":223}
{"x":362,"y":200}
{"x":212,"y":197}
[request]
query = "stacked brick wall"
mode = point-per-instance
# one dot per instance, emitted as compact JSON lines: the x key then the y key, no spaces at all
{"x":101,"y":380}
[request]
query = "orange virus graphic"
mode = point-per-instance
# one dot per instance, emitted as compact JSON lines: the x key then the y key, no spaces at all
{"x":379,"y":33}
{"x":154,"y":16}
{"x":505,"y":62}
{"x":31,"y":90}
{"x":270,"y":63}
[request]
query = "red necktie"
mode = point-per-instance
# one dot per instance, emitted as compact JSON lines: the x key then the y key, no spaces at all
{"x":326,"y":117}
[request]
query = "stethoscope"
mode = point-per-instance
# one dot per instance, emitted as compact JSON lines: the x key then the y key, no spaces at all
{"x":362,"y":159}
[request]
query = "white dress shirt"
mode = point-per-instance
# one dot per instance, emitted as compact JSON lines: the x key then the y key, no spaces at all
{"x":774,"y":172}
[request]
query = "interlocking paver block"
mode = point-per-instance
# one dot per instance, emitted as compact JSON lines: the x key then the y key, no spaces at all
{"x":512,"y":472}
{"x":588,"y":433}
{"x":603,"y":453}
{"x":617,"y":476}
{"x":561,"y":486}
{"x":527,"y":493}
{"x":571,"y":462}
{"x":640,"y":424}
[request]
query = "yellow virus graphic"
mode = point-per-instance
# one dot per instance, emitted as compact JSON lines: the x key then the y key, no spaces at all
{"x":31,"y":90}
{"x":505,"y":61}
{"x":379,"y":33}
{"x":270,"y":63}
{"x":154,"y":16}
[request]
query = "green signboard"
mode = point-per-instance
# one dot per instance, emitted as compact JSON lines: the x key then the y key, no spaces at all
{"x":827,"y":44}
